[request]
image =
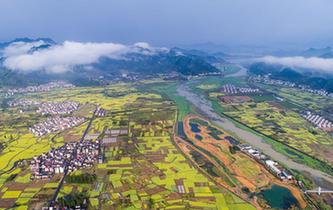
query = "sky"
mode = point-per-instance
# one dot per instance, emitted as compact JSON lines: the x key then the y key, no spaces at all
{"x":171,"y":22}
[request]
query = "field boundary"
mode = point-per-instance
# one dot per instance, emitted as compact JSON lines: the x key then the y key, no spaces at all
{"x":284,"y":144}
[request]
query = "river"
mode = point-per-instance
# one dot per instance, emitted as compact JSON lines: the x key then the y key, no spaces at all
{"x":204,"y":107}
{"x":240,"y":73}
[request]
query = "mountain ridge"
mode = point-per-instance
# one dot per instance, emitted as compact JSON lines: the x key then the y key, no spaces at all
{"x":280,"y":72}
{"x":141,"y":62}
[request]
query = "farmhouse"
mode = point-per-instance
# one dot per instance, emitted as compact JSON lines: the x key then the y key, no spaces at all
{"x":318,"y":121}
{"x":232,"y":89}
{"x":271,"y":165}
{"x":101,"y":112}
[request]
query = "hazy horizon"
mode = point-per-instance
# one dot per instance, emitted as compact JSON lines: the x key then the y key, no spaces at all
{"x":86,"y":30}
{"x":275,"y":24}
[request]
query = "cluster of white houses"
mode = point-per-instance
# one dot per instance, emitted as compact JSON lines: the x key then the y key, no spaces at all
{"x":266,"y":80}
{"x":232,"y":89}
{"x":55,"y":124}
{"x":58,"y":108}
{"x":25,"y":103}
{"x":73,"y":156}
{"x":315,"y":91}
{"x":271,"y":165}
{"x":101,"y":112}
{"x":319,"y":121}
{"x":46,"y":108}
{"x":204,"y":75}
{"x":40,"y":88}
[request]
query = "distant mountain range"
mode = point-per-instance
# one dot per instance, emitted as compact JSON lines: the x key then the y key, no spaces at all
{"x":27,"y":40}
{"x":313,"y":79}
{"x":326,"y":52}
{"x":174,"y":60}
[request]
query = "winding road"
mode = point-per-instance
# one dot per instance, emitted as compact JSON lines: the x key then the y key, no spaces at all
{"x":205,"y":108}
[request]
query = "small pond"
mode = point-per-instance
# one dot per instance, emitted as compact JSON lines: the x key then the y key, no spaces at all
{"x":198,"y":137}
{"x":279,"y":197}
{"x":195,"y":127}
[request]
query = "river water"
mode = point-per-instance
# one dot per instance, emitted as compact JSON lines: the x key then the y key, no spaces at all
{"x":240,"y":73}
{"x":205,"y":108}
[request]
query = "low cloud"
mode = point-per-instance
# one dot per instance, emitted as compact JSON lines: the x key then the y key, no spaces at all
{"x":63,"y":57}
{"x":301,"y":62}
{"x":19,"y":48}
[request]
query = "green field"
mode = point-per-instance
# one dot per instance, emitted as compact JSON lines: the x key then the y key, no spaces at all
{"x":169,"y":90}
{"x":287,"y":127}
{"x":302,"y":99}
{"x":278,"y":123}
{"x":148,"y":158}
{"x":142,"y":170}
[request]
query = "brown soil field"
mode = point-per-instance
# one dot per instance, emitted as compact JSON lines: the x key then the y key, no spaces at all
{"x":228,"y":159}
{"x":247,"y":171}
{"x":235,"y":99}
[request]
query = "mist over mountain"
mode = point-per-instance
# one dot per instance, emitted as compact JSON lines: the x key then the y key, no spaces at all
{"x":326,"y":52}
{"x":26,"y":61}
{"x":314,"y":79}
{"x":312,"y":62}
{"x":27,"y":40}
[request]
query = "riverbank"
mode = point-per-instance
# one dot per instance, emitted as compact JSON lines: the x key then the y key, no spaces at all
{"x":204,"y":107}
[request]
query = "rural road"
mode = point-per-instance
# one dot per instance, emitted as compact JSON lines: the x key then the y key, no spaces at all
{"x":55,"y":195}
{"x":205,"y":108}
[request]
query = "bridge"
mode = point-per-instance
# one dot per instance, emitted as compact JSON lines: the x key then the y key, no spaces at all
{"x":319,"y":191}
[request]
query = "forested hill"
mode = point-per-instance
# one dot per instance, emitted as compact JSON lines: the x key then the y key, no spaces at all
{"x":175,"y":60}
{"x":313,"y":79}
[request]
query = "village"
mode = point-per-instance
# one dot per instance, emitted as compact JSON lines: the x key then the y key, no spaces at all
{"x":318,"y":121}
{"x":58,"y":108}
{"x":24,"y":103}
{"x":73,"y":156}
{"x":55,"y":124}
{"x":232,"y":89}
{"x":46,"y":108}
{"x":40,"y":88}
{"x":267,"y":80}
